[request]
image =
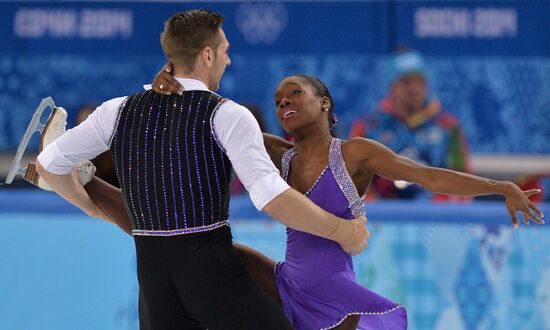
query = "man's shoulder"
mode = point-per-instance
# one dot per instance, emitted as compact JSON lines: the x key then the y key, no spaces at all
{"x":113,"y":103}
{"x":186,"y":94}
{"x":142,"y":92}
{"x":233,"y":106}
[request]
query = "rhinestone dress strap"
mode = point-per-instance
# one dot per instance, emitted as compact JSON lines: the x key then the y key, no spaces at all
{"x":285,"y":162}
{"x":340,"y":172}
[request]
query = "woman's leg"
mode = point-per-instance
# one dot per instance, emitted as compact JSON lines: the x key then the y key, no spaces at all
{"x":109,"y":199}
{"x":260,"y":268}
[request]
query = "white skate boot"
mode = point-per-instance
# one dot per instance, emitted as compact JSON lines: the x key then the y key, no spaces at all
{"x":55,"y":126}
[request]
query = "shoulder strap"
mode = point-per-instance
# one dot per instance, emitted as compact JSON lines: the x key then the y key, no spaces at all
{"x":285,"y":162}
{"x":340,"y":172}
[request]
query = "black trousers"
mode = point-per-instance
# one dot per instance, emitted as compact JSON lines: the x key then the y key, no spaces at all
{"x":197,"y":281}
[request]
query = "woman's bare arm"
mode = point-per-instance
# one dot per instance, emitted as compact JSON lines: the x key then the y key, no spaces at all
{"x":380,"y":160}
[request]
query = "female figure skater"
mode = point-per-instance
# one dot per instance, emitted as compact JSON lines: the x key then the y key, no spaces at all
{"x":316,"y":284}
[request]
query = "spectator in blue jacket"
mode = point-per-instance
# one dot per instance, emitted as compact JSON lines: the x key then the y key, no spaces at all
{"x":412,"y":123}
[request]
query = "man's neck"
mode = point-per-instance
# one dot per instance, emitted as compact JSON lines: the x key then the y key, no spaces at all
{"x":181,"y":73}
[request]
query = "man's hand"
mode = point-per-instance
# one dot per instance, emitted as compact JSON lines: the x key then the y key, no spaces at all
{"x":354,"y":235}
{"x":165,"y":83}
{"x":298,"y":212}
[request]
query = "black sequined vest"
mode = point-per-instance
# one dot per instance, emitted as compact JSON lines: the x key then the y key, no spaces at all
{"x":174,"y":175}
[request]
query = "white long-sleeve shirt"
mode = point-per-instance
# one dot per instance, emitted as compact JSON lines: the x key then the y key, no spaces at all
{"x":236,"y":129}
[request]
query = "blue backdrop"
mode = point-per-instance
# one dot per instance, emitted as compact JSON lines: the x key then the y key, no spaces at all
{"x":488,"y":60}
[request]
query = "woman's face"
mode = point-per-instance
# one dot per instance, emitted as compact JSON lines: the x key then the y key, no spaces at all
{"x":298,"y":104}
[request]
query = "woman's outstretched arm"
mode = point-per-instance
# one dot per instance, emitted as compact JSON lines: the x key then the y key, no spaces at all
{"x":376,"y":158}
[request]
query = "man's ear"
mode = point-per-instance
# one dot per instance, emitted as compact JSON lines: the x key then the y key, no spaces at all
{"x":207,"y":56}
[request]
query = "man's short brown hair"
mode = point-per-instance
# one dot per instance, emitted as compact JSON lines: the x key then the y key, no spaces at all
{"x":187,"y":33}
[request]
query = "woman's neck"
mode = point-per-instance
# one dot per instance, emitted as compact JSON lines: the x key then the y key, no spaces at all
{"x":313,"y":145}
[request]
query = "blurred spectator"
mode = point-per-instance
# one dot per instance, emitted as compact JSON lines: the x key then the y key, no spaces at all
{"x":414,"y":124}
{"x":104,"y":162}
{"x":237,"y":187}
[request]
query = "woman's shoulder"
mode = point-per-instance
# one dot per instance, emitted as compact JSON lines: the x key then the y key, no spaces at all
{"x":356,"y":143}
{"x":358,"y":149}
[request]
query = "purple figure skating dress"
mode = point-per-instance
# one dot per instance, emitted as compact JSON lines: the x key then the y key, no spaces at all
{"x":316,"y":281}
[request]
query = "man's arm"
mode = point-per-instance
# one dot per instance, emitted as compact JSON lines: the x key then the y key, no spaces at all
{"x":68,"y":187}
{"x":298,"y":212}
{"x":83,"y":142}
{"x":242,"y":139}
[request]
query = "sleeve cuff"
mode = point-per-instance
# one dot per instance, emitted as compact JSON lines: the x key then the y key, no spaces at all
{"x":265,"y":189}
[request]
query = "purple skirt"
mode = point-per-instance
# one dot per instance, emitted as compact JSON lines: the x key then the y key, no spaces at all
{"x":325,"y":304}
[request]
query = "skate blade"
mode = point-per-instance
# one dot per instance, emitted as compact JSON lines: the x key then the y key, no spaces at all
{"x":34,"y":126}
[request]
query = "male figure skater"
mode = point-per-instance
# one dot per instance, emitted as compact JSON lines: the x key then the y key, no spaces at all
{"x":173,"y":156}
